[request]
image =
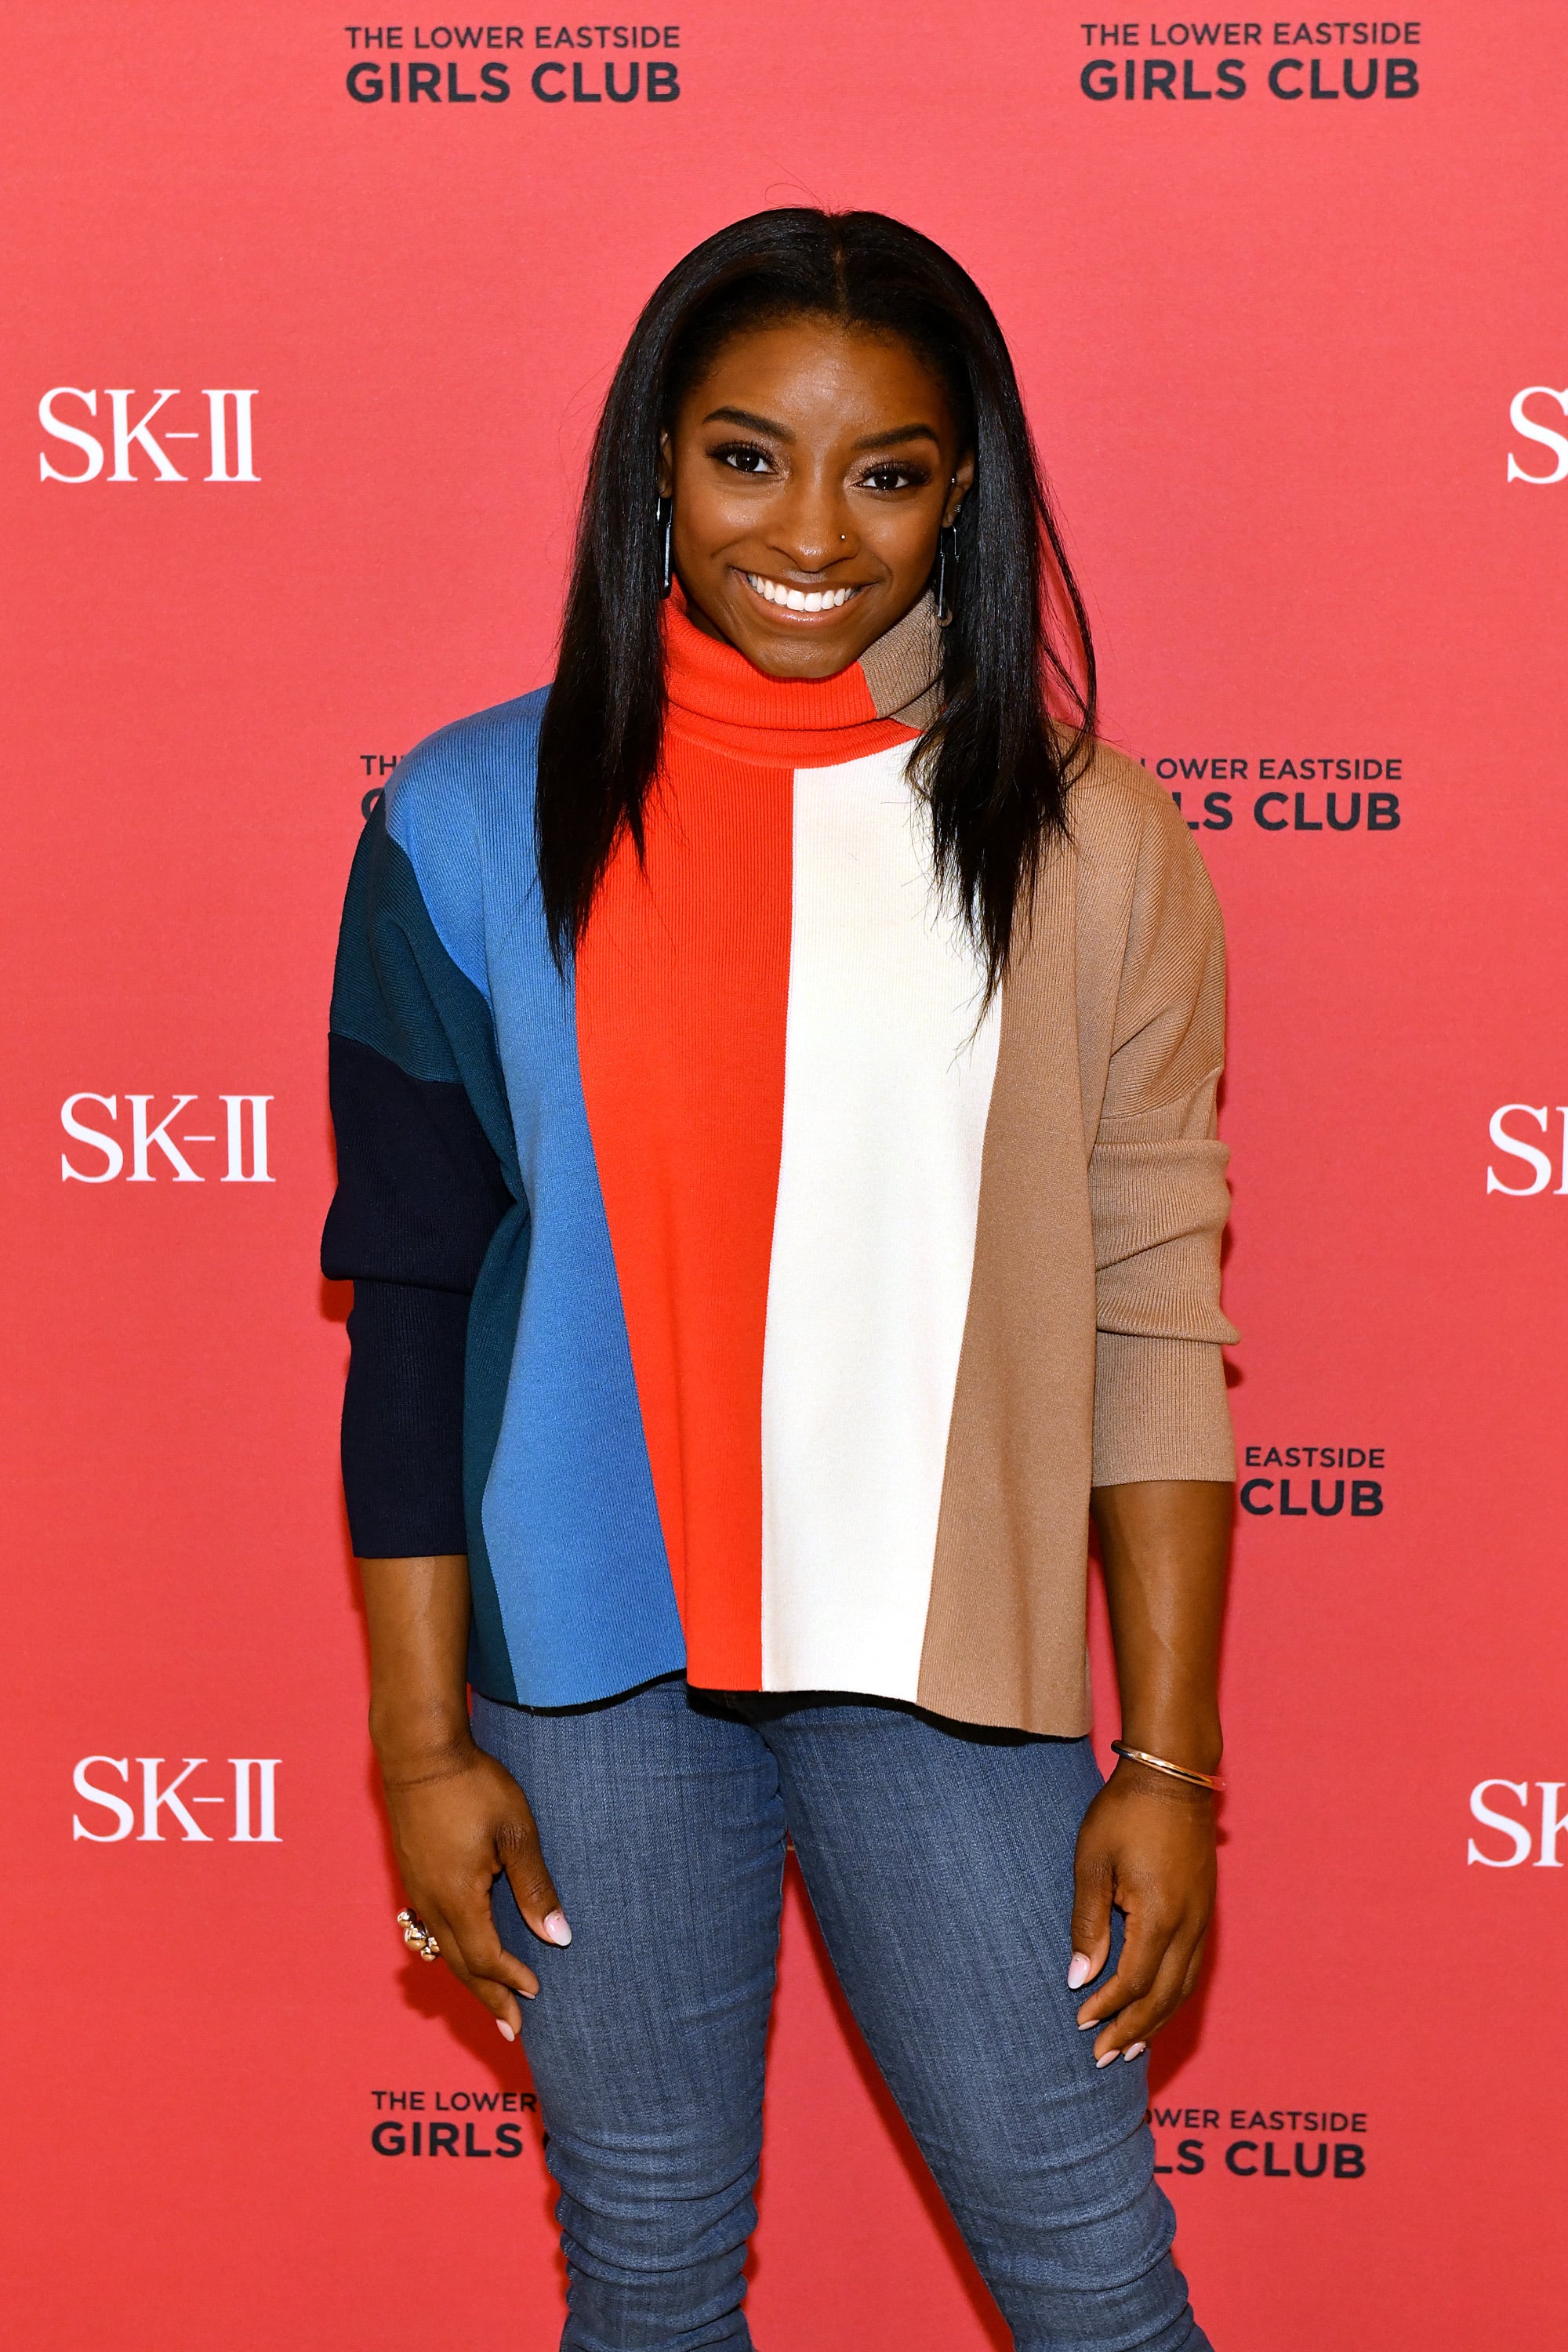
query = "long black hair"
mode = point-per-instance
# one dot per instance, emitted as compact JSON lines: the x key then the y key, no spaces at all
{"x":1017,"y":691}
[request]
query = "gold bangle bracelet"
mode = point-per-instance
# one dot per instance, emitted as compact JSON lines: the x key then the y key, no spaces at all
{"x":1159,"y":1764}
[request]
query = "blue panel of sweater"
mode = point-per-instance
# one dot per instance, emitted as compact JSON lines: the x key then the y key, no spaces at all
{"x":569,"y":1537}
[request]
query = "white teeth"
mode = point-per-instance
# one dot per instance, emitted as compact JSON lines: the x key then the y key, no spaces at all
{"x":798,"y":600}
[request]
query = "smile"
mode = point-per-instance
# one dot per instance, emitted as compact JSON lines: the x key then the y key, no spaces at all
{"x":798,"y":600}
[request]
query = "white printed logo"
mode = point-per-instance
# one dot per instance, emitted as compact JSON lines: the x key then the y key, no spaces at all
{"x":1529,"y":1155}
{"x":1532,"y":428}
{"x":245,"y":1123}
{"x":227,"y":431}
{"x":254,"y":1800}
{"x":1516,"y":1827}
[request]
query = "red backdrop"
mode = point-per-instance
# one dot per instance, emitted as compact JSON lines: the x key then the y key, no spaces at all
{"x":1291,"y":351}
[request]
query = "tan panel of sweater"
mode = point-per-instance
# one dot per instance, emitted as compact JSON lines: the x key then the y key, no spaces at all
{"x":1091,"y":1349}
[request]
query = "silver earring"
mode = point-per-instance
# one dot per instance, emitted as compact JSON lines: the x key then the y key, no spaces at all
{"x":664,"y":513}
{"x":946,"y":573}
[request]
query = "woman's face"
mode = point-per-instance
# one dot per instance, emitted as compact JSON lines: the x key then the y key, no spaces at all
{"x":816,"y":462}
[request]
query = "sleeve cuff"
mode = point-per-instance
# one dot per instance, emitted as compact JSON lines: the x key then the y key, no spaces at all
{"x":1161,"y":1410}
{"x":403,"y":1421}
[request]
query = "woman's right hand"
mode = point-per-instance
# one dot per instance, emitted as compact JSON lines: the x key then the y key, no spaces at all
{"x":459,"y":1818}
{"x":458,"y":1821}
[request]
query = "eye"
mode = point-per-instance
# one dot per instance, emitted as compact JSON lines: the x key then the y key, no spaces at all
{"x":895,"y":474}
{"x":743,"y":457}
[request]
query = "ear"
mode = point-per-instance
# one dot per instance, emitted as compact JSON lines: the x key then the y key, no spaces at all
{"x":963,"y":482}
{"x":666,"y":468}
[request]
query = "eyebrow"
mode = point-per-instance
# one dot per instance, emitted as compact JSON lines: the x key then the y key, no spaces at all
{"x":745,"y":417}
{"x":900,"y":433}
{"x":782,"y":432}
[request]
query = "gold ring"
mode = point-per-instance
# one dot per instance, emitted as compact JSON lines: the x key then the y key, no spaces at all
{"x":417,"y":1936}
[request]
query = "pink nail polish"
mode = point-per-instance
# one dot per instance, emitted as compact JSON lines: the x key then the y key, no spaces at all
{"x":1109,"y":2058}
{"x":1080,"y":1968}
{"x":1134,"y":2050}
{"x":557,"y":1931}
{"x":504,"y":2029}
{"x":1091,"y":2025}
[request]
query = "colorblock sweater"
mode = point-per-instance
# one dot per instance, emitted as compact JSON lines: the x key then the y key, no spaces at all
{"x":750,"y":1299}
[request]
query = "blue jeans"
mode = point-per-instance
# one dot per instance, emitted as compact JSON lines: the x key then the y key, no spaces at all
{"x":938,"y":1862}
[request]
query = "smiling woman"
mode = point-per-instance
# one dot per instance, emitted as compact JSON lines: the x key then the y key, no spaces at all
{"x":773,"y":1072}
{"x":904,"y":462}
{"x":808,"y":499}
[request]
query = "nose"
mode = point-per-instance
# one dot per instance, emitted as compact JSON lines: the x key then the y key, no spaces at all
{"x":812,"y":528}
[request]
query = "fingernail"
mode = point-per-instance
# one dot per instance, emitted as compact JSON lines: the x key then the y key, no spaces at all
{"x":504,"y":2029}
{"x":1091,"y":2025}
{"x":556,"y":1929}
{"x":1109,"y":2058}
{"x":1134,"y":2050}
{"x":1080,"y":1968}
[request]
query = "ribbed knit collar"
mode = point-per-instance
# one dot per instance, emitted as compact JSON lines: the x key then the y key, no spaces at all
{"x":718,"y":697}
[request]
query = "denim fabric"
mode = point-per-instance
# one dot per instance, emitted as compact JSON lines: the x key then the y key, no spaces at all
{"x":939,"y":1860}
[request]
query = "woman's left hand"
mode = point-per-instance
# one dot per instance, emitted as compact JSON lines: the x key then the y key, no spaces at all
{"x":1147,"y":1845}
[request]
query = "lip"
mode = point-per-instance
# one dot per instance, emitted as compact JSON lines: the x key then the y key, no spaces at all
{"x":782,"y":613}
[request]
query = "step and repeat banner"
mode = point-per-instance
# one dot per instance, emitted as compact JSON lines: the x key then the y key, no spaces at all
{"x":310,"y":322}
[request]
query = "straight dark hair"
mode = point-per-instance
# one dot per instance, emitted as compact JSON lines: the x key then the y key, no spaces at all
{"x":1017,"y":712}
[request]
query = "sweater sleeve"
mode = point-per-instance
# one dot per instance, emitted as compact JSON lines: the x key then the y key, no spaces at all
{"x":421,"y":1190}
{"x":1157,"y":1190}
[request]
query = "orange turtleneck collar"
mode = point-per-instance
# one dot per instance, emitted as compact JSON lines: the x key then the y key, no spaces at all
{"x":716,"y":697}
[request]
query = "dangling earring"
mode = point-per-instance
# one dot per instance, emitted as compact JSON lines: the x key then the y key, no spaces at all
{"x":664,"y":512}
{"x":946,"y":573}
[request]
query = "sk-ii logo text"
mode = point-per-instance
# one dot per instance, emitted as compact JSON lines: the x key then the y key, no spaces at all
{"x":1535,"y":1166}
{"x":154,"y":1151}
{"x":1513,"y":1822}
{"x":1544,"y":433}
{"x":251,"y":1803}
{"x":139,"y":453}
